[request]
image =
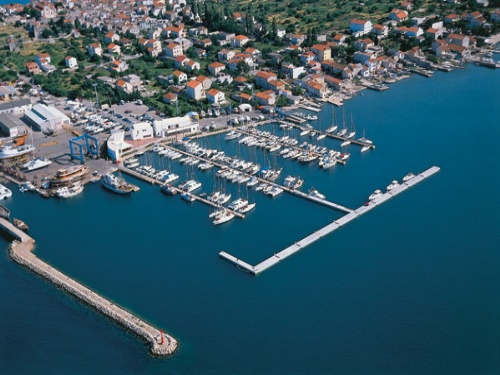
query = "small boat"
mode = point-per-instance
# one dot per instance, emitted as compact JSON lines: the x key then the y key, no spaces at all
{"x":346,"y":142}
{"x":274,"y":191}
{"x":321,"y":136}
{"x":237,"y":204}
{"x":365,"y":148}
{"x":249,"y":207}
{"x":188,"y":197}
{"x":69,"y":191}
{"x":4,"y":212}
{"x":5,"y":192}
{"x":392,"y":185}
{"x":168,"y":189}
{"x":190,"y":185}
{"x":27,"y":186}
{"x":408,"y":177}
{"x":315,"y":193}
{"x":223,"y":216}
{"x":305,"y":132}
{"x":377,"y":193}
{"x":21,"y":224}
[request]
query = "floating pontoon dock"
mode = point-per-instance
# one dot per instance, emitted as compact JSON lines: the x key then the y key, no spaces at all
{"x":290,"y":250}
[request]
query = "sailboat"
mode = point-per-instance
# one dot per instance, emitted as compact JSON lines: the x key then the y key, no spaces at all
{"x":367,"y":143}
{"x":352,"y":131}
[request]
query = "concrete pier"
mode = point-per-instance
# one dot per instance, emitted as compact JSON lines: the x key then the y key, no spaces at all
{"x":313,"y":237}
{"x":21,"y":251}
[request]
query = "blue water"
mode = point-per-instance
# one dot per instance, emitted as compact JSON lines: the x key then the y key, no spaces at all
{"x":410,"y":288}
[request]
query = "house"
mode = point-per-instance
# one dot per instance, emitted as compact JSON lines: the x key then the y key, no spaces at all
{"x":44,"y":62}
{"x":407,"y":5}
{"x":265,"y":98}
{"x":451,"y":18}
{"x":298,"y":39}
{"x":180,"y":61}
{"x":155,"y":44}
{"x":322,"y":51}
{"x":47,"y":10}
{"x":239,"y":41}
{"x":215,"y":67}
{"x":495,"y":16}
{"x":474,"y":19}
{"x":192,"y":65}
{"x":225,"y":55}
{"x":360,"y":27}
{"x":225,"y":38}
{"x":307,"y":57}
{"x":205,"y":81}
{"x":381,"y":31}
{"x":335,"y":83}
{"x":316,"y":88}
{"x":398,"y":15}
{"x":215,"y":96}
{"x":433,"y":33}
{"x":340,"y":39}
{"x":173,"y":50}
{"x":114,"y":48}
{"x":262,"y":78}
{"x":32,"y":68}
{"x":94,"y":49}
{"x":184,"y":42}
{"x":194,"y":90}
{"x":362,"y":44}
{"x":124,"y":85}
{"x":458,"y":39}
{"x":119,"y":66}
{"x":71,"y":62}
{"x":181,"y":76}
{"x":291,"y":71}
{"x":169,"y":98}
{"x":111,"y":37}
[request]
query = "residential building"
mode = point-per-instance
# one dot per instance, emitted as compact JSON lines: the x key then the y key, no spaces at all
{"x":215,"y":96}
{"x":239,"y":41}
{"x":169,"y":98}
{"x":94,"y":49}
{"x":322,"y":51}
{"x":194,"y":90}
{"x":262,"y":79}
{"x":32,"y":68}
{"x":360,"y":27}
{"x":71,"y":62}
{"x":215,"y":68}
{"x":398,"y":15}
{"x":173,"y":50}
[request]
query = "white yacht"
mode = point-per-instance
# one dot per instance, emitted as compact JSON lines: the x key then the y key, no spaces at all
{"x":69,"y":191}
{"x":274,"y":191}
{"x":392,"y":185}
{"x":5,"y":192}
{"x":315,"y":193}
{"x":409,"y":176}
{"x":237,"y":204}
{"x":247,"y":208}
{"x":190,"y":186}
{"x":9,"y":151}
{"x":223,"y":216}
{"x":36,"y":163}
{"x":377,"y":193}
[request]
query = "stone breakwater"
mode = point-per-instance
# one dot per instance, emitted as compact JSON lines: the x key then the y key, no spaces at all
{"x":21,"y":251}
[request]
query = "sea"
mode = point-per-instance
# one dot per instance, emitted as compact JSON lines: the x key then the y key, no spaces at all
{"x":412,"y":287}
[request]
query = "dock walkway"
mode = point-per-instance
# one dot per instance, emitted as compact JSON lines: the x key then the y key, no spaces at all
{"x":21,"y":252}
{"x":336,"y":224}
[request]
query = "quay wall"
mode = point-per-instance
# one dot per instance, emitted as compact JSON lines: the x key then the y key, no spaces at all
{"x":21,"y":252}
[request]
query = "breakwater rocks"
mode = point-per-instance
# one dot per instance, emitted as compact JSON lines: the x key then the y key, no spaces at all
{"x":21,"y":252}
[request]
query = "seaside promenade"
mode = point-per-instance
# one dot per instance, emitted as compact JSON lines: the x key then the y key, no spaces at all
{"x":21,"y":251}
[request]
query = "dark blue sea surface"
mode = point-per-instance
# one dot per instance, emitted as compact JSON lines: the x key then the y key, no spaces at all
{"x":413,"y":287}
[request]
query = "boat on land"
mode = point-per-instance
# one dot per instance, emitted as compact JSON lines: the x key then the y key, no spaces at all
{"x":8,"y":151}
{"x":408,"y":177}
{"x":5,"y":192}
{"x":315,"y":193}
{"x":377,"y":193}
{"x":69,"y":191}
{"x":35,"y":164}
{"x":67,"y":175}
{"x":116,"y":184}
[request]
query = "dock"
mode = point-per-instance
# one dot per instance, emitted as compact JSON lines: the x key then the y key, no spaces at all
{"x":197,"y":197}
{"x":336,"y":224}
{"x":21,"y":251}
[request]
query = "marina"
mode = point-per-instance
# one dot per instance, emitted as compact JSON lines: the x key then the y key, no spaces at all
{"x":351,"y":215}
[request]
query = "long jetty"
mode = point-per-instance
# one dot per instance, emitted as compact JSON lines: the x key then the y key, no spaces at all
{"x":21,"y":251}
{"x":336,"y":224}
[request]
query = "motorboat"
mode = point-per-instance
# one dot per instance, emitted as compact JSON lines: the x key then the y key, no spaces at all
{"x":69,"y":191}
{"x":408,"y":177}
{"x":116,"y":184}
{"x":5,"y":192}
{"x":223,"y":216}
{"x":315,"y":193}
{"x":8,"y":151}
{"x":188,"y":197}
{"x":377,"y":193}
{"x":392,"y":185}
{"x":168,"y":189}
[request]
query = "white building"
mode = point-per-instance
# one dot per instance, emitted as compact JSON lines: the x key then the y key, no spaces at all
{"x":141,"y":130}
{"x":46,"y":119}
{"x":117,"y":147}
{"x":175,"y":125}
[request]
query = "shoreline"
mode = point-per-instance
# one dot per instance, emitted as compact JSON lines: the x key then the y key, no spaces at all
{"x":21,"y":251}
